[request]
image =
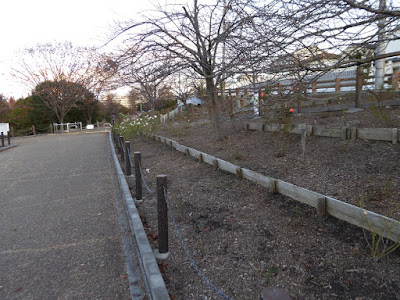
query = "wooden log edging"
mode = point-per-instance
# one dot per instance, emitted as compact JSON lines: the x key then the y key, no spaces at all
{"x":376,"y":134}
{"x":385,"y":226}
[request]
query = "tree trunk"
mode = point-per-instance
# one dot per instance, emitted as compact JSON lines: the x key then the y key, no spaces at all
{"x":359,"y":85}
{"x":215,"y":112}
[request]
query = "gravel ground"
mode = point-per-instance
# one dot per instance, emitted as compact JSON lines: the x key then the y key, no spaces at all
{"x":244,"y":238}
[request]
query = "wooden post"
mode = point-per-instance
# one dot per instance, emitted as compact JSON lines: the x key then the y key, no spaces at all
{"x":80,"y":125}
{"x":201,"y":158}
{"x":187,"y":153}
{"x":344,"y":133}
{"x":162,"y":213}
{"x":122,"y":149}
{"x":395,"y":80}
{"x":394,"y":135}
{"x":51,"y":128}
{"x":337,"y":85}
{"x":138,"y":176}
{"x":128,"y":161}
{"x":239,"y":173}
{"x":314,"y":87}
{"x":98,"y":124}
{"x":354,"y":131}
{"x":68,"y":127}
{"x":215,"y":164}
{"x":9,"y":137}
{"x":321,"y":207}
{"x":359,"y":85}
{"x":118,"y":142}
{"x":274,"y":187}
{"x":2,"y":139}
{"x":230,"y":102}
{"x":303,"y":143}
{"x":33,"y":130}
{"x":237,"y":98}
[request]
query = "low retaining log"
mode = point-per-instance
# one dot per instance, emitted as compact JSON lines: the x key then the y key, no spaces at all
{"x":368,"y":220}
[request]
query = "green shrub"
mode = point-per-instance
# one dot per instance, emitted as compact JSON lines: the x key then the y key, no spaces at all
{"x":131,"y":128}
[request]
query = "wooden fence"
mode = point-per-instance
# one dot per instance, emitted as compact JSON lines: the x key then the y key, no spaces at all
{"x":242,"y":96}
{"x":365,"y":219}
{"x":376,"y":134}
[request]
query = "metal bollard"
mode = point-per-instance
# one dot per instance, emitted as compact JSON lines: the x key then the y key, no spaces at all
{"x":138,"y":176}
{"x":162,"y":213}
{"x":128,"y":161}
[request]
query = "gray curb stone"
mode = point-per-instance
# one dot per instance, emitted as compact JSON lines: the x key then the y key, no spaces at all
{"x":152,"y":274}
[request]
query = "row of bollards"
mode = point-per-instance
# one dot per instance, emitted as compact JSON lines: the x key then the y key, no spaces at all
{"x":124,"y":150}
{"x":8,"y":138}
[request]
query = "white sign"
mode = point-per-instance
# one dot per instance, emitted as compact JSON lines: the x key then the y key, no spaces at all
{"x":4,"y":127}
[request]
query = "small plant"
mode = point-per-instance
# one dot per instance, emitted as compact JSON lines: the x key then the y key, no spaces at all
{"x":272,"y":271}
{"x":378,"y":244}
{"x":237,"y":155}
{"x":282,"y":116}
{"x":381,"y":113}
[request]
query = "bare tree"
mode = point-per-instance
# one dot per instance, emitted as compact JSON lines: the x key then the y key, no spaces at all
{"x":67,"y":72}
{"x":146,"y":71}
{"x":204,"y":36}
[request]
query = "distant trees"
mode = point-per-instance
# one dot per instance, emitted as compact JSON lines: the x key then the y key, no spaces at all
{"x":4,"y":108}
{"x":30,"y":111}
{"x":63,"y":75}
{"x":60,"y":96}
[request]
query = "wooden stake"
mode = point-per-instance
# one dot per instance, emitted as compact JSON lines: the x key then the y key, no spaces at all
{"x":344,"y":133}
{"x":239,"y":173}
{"x":128,"y":161}
{"x":394,"y":135}
{"x":274,"y":187}
{"x":138,"y":176}
{"x":162,"y":213}
{"x":215,"y":164}
{"x":354,"y":133}
{"x":321,"y":207}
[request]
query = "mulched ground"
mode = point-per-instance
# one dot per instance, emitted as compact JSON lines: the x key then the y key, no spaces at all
{"x":244,"y":238}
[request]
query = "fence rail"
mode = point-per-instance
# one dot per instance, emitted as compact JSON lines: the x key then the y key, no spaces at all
{"x":377,"y":134}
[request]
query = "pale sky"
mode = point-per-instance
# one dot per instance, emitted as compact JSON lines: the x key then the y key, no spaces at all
{"x":25,"y":23}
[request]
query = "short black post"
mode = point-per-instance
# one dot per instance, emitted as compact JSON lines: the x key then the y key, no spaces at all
{"x":119,"y":144}
{"x":162,"y":212}
{"x":128,"y":160}
{"x":122,"y":148}
{"x":9,"y":137}
{"x":2,"y":139}
{"x":138,"y":176}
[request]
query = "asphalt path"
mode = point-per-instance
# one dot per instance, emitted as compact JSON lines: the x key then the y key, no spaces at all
{"x":60,"y":231}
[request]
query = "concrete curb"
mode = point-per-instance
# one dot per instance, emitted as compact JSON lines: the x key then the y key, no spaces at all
{"x":152,"y":274}
{"x":8,"y":147}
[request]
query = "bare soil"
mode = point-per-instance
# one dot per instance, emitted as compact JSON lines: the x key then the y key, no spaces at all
{"x":244,"y":238}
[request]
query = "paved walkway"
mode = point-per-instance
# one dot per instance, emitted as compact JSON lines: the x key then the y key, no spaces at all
{"x":60,"y":231}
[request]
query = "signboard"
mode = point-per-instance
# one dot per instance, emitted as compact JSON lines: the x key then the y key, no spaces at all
{"x":4,"y":127}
